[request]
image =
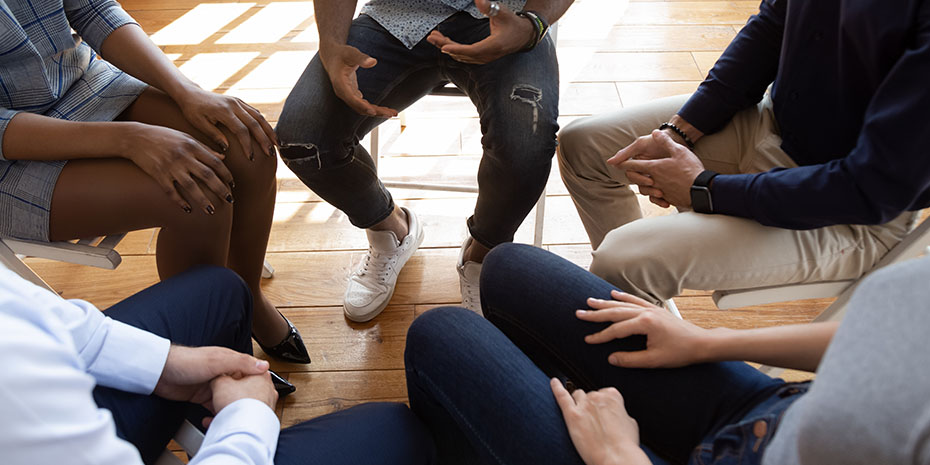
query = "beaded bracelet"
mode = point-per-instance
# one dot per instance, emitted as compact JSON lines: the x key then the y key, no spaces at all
{"x":677,"y":130}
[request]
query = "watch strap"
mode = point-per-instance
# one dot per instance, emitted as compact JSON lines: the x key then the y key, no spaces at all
{"x":703,"y":179}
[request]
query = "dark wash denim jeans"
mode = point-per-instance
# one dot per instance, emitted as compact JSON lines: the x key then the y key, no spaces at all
{"x":482,"y":385}
{"x":517,"y":98}
{"x":211,"y":306}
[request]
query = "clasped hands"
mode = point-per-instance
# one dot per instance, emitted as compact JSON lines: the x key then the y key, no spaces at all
{"x":214,"y":377}
{"x":663,"y":169}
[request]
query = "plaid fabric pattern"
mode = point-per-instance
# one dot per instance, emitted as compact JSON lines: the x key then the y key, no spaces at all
{"x":411,"y":20}
{"x":48,"y":70}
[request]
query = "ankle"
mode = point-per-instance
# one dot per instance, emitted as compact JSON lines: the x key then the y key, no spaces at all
{"x":397,"y":223}
{"x":475,"y":252}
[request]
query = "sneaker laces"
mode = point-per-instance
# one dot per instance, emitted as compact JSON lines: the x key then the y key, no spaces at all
{"x":378,"y":264}
{"x":471,"y":296}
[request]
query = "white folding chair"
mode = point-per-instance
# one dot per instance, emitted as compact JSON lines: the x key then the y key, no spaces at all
{"x":448,"y":89}
{"x":913,"y":245}
{"x":98,"y":252}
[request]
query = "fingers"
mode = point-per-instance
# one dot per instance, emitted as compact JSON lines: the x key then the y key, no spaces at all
{"x":190,"y":190}
{"x":241,"y":131}
{"x":639,"y":179}
{"x":347,"y":90}
{"x":609,"y":315}
{"x":236,"y":364}
{"x":438,"y":39}
{"x":484,"y":6}
{"x":356,"y":57}
{"x":630,"y":298}
{"x":254,"y":128}
{"x":660,"y":202}
{"x":477,"y":53}
{"x":652,"y":192}
{"x":627,"y":152}
{"x":562,"y":396}
{"x":214,"y":133}
{"x":665,"y":140}
{"x":207,"y":421}
{"x":170,"y":189}
{"x":635,"y":359}
{"x":640,"y":166}
{"x":266,"y":127}
{"x":618,"y":330}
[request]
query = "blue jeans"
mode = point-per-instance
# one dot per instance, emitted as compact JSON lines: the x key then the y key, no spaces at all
{"x":516,"y":96}
{"x":483,"y":385}
{"x":212,"y":306}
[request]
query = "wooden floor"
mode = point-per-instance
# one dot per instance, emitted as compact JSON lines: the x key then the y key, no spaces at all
{"x":613,"y":53}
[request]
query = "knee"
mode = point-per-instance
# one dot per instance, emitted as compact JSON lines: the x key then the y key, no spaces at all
{"x":501,"y":265}
{"x":236,"y":306}
{"x":628,"y":259}
{"x":435,"y":331}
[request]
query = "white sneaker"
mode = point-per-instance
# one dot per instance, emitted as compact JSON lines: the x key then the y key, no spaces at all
{"x":469,"y":278}
{"x":371,"y":286}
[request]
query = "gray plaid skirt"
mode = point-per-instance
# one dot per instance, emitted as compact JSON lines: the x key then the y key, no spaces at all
{"x":26,"y":187}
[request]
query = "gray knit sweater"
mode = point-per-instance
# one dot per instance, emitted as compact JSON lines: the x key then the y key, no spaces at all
{"x":870,"y":403}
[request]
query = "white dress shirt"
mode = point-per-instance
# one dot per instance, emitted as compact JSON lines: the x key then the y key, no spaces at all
{"x":54,"y":352}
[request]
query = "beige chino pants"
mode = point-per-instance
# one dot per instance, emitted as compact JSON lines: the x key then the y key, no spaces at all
{"x":655,"y":258}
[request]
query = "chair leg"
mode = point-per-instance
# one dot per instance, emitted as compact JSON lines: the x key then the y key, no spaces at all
{"x":11,"y":261}
{"x":375,"y":147}
{"x":672,"y":308}
{"x":540,"y":219}
{"x":267,"y":270}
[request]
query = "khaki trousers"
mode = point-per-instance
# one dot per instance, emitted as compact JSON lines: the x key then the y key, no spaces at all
{"x":655,"y":258}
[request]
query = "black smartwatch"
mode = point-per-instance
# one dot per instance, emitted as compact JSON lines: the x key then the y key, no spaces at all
{"x":701,"y":200}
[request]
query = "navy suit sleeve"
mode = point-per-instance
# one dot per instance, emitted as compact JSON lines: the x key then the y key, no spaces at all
{"x":885,"y":174}
{"x":739,"y":78}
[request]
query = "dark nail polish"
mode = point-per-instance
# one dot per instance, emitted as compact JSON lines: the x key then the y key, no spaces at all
{"x":232,"y":184}
{"x":271,"y":152}
{"x":229,"y":198}
{"x":223,"y":148}
{"x":252,"y":156}
{"x":210,"y":209}
{"x":187,"y":209}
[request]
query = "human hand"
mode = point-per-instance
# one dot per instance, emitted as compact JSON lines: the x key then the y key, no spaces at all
{"x":670,"y":341}
{"x":509,"y":33}
{"x":189,"y":371}
{"x":341,"y":63}
{"x":207,"y":110}
{"x":176,"y":161}
{"x":228,"y":389}
{"x":601,"y":430}
{"x":663,"y":169}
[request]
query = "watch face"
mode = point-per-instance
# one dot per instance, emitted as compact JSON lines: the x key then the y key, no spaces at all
{"x":701,"y":200}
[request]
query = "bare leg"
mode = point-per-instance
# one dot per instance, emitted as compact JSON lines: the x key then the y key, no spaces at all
{"x":236,"y":236}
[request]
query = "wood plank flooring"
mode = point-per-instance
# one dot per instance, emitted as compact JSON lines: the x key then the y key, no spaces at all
{"x":613,"y":53}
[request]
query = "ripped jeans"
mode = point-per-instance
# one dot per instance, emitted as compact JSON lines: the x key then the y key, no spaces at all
{"x":516,"y":96}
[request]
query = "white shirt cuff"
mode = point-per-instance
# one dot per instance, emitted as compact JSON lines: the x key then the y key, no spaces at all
{"x":246,"y":420}
{"x":131,"y":359}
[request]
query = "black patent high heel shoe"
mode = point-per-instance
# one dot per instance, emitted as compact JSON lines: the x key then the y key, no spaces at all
{"x":283,"y":386}
{"x":291,"y":349}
